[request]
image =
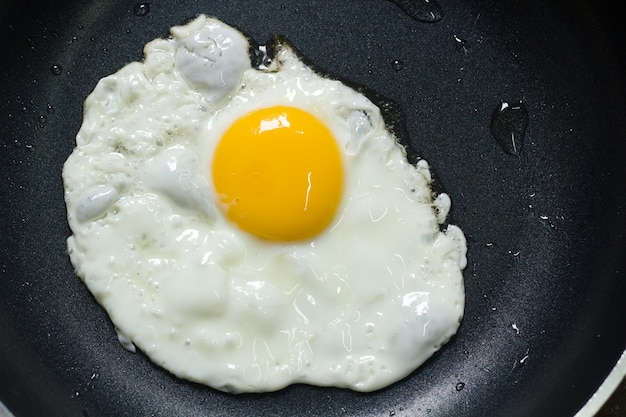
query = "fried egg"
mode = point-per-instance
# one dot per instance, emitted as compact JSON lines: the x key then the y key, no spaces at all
{"x":250,"y":226}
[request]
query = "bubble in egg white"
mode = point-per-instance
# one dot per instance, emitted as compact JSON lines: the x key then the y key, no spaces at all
{"x":360,"y":305}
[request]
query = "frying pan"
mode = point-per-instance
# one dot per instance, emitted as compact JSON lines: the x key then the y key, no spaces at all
{"x":546,"y":277}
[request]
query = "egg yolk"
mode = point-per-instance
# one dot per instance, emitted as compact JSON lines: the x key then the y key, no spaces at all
{"x":278,"y":173}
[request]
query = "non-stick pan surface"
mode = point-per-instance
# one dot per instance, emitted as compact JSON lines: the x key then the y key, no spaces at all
{"x":546,"y":275}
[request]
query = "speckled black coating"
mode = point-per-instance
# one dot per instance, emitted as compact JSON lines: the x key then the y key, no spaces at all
{"x":546,"y":277}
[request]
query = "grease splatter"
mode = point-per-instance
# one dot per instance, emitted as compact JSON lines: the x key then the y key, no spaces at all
{"x":428,"y":11}
{"x":508,"y":126}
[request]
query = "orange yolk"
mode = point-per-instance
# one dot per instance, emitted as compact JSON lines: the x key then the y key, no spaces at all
{"x":278,"y":173}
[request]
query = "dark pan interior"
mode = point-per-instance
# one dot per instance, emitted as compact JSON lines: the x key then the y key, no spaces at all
{"x":546,"y":275}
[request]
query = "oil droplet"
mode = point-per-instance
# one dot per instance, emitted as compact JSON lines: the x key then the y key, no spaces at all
{"x":428,"y":11}
{"x":30,"y":42}
{"x":56,"y":69}
{"x":459,"y":386}
{"x":50,"y":109}
{"x":142,"y":9}
{"x":461,"y":44}
{"x":508,"y":126}
{"x":397,"y":65}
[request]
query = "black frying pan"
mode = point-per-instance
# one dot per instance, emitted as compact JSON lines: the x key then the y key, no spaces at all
{"x":546,"y":279}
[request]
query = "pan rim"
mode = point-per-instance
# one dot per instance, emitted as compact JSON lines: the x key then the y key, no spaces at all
{"x":606,"y":389}
{"x":4,"y":411}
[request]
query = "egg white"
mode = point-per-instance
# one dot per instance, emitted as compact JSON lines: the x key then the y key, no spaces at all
{"x":361,"y":305}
